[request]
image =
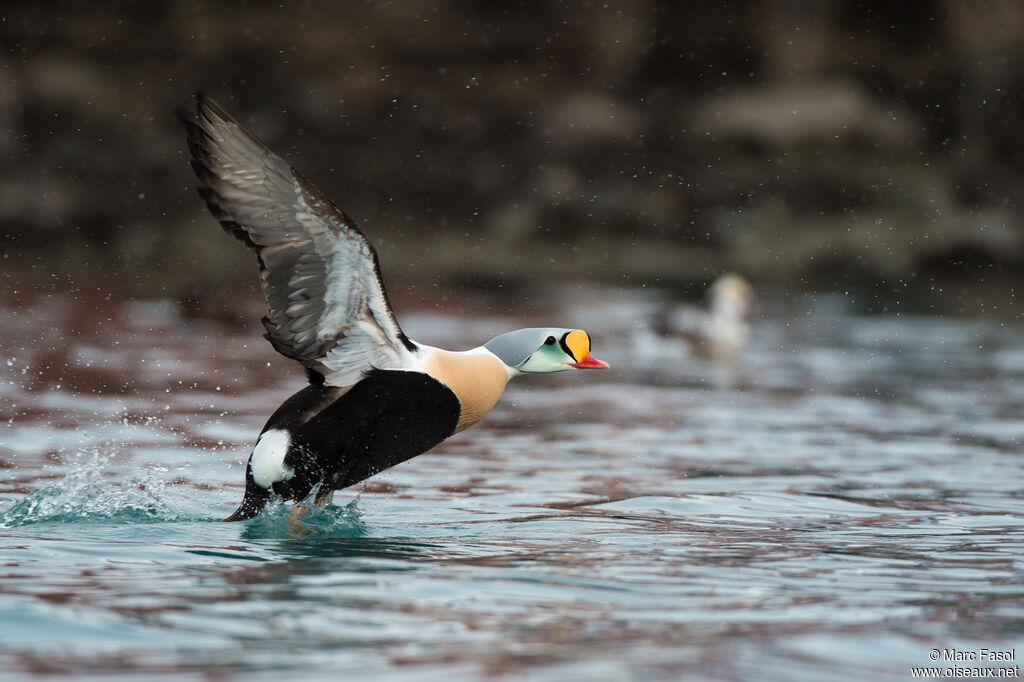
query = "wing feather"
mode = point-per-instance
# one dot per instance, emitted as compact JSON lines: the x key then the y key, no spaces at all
{"x":326,"y":303}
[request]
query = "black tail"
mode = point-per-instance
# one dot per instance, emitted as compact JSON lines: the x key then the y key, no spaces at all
{"x":253,"y":502}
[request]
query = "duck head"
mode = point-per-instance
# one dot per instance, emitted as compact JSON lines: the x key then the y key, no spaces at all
{"x":732,"y":296}
{"x":539,"y":349}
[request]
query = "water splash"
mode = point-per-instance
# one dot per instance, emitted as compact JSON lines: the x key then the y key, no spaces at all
{"x":287,"y":520}
{"x":85,"y":495}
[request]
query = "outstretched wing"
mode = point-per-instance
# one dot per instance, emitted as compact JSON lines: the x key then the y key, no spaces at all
{"x":326,"y":304}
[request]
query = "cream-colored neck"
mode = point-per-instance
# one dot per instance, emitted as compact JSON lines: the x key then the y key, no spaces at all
{"x":477,"y":377}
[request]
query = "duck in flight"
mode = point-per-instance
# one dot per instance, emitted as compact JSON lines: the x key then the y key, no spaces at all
{"x":375,"y":397}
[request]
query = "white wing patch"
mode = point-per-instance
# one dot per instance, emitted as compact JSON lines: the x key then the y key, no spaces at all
{"x":267,"y":462}
{"x":366,"y":342}
{"x":363,"y":347}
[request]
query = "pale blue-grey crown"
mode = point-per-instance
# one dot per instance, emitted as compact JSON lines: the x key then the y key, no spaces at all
{"x":514,"y":348}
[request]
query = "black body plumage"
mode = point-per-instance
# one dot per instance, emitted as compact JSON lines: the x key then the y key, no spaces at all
{"x":340,"y":439}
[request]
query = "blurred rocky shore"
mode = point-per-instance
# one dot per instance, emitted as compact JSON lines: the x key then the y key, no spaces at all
{"x":805,"y":144}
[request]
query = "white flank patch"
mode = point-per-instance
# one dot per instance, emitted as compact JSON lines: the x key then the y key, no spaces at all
{"x":268,"y":458}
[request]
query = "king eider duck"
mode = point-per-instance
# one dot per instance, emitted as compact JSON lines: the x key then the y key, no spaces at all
{"x":375,"y":397}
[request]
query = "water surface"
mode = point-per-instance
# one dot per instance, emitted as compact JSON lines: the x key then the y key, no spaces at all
{"x":846,"y":500}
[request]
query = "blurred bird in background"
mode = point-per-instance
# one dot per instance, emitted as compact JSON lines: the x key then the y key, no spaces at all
{"x":718,"y":333}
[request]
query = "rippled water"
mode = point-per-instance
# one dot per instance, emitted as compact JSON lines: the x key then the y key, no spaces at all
{"x":835,"y":508}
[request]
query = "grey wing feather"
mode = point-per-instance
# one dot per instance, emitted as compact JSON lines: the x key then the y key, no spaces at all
{"x":326,"y":304}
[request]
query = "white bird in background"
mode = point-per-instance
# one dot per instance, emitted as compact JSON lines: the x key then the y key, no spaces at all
{"x":720,"y":332}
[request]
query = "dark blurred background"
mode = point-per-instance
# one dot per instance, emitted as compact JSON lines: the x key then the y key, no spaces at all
{"x":808,"y":145}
